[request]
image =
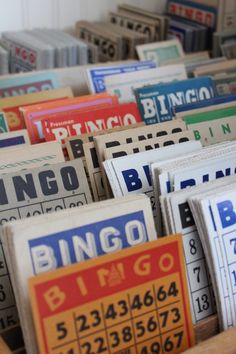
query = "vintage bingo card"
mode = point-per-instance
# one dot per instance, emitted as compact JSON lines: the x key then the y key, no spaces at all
{"x":134,"y":301}
{"x":224,"y":217}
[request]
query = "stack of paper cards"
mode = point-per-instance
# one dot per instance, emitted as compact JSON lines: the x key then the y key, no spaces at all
{"x":123,"y":85}
{"x":179,"y":218}
{"x":40,"y":49}
{"x":33,"y":192}
{"x":11,"y":105}
{"x":225,"y":67}
{"x":131,"y":174}
{"x":136,"y":22}
{"x":63,"y":238}
{"x":110,"y":44}
{"x":225,"y":84}
{"x":137,"y":301}
{"x":25,"y":84}
{"x":213,"y":124}
{"x":215,"y":219}
{"x":161,"y":52}
{"x":58,"y":127}
{"x":96,"y":75}
{"x":35,"y":114}
{"x":128,"y":137}
{"x":83,"y":146}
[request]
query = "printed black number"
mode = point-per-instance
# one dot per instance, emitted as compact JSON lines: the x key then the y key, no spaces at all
{"x":196,"y":270}
{"x":62,"y":330}
{"x":169,"y":345}
{"x":203,"y":303}
{"x":4,"y":220}
{"x":7,"y":321}
{"x":164,"y":315}
{"x":87,"y":346}
{"x":176,"y":313}
{"x":193,"y":248}
{"x":127,"y":334}
{"x":74,"y":205}
{"x":82,"y":323}
{"x":162,"y":294}
{"x":115,"y":338}
{"x":151,"y":326}
{"x":137,"y":303}
{"x":124,"y":308}
{"x":155,"y":348}
{"x":101,"y":345}
{"x":111,"y":313}
{"x":97,"y":318}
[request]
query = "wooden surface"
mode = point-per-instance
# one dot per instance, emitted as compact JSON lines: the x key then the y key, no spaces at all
{"x":224,"y":342}
{"x":206,"y":329}
{"x":3,"y":347}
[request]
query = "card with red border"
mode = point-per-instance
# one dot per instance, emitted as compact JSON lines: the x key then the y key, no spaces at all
{"x":132,"y":301}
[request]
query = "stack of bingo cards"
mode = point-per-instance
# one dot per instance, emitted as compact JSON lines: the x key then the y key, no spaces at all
{"x":134,"y":301}
{"x":215,"y":218}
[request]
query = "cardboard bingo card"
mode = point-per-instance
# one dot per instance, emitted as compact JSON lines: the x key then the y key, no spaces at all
{"x":89,"y":121}
{"x":132,"y":301}
{"x":11,"y":105}
{"x":161,"y":52}
{"x":34,"y":115}
{"x":216,"y":229}
{"x":214,"y":124}
{"x":96,"y":75}
{"x":127,"y":137}
{"x":33,"y":192}
{"x":156,"y":102}
{"x":123,"y":85}
{"x":11,"y":139}
{"x":72,"y":236}
{"x":24,"y":84}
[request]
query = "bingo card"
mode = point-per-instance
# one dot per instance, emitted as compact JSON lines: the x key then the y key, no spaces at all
{"x":133,"y":301}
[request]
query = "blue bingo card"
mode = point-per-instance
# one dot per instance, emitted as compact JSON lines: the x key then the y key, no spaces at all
{"x":157,"y":101}
{"x":96,"y":75}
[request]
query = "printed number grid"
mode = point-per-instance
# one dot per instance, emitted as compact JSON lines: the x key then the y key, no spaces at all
{"x":146,"y":319}
{"x":228,"y":313}
{"x":229,"y":244}
{"x":198,"y":277}
{"x":8,"y":311}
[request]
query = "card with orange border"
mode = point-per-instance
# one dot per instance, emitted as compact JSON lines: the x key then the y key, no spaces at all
{"x":11,"y":105}
{"x":33,"y":115}
{"x":132,"y":301}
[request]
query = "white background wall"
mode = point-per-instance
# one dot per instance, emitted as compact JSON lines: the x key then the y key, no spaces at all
{"x":26,"y":14}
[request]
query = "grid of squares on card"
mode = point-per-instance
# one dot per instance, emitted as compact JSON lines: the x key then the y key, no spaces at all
{"x":213,"y":212}
{"x":117,"y":278}
{"x":177,"y":217}
{"x":71,"y":236}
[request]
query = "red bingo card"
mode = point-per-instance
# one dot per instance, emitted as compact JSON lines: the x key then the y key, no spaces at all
{"x":133,"y":301}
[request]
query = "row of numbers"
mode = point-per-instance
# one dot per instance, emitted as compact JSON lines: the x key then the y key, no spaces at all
{"x":121,"y":342}
{"x":41,"y":208}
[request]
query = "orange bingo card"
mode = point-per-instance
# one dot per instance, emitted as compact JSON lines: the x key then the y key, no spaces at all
{"x":133,"y":301}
